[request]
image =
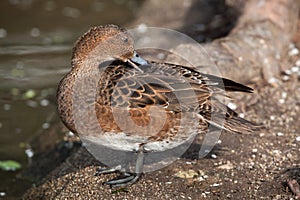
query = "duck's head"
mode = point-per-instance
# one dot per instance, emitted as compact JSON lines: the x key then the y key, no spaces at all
{"x":105,"y":43}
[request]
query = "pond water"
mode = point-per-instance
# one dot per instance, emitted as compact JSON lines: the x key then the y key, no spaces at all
{"x":36,"y":39}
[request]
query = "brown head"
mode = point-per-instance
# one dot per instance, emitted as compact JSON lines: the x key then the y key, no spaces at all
{"x":101,"y":43}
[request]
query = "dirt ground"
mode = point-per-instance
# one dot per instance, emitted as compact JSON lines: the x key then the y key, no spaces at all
{"x":244,"y":166}
{"x":254,"y":166}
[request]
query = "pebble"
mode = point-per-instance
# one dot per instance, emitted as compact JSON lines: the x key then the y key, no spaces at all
{"x":213,"y":156}
{"x":70,"y":133}
{"x":272,"y":80}
{"x":261,"y":134}
{"x":232,"y":106}
{"x":283,"y":95}
{"x":242,"y":115}
{"x":297,"y":63}
{"x":29,"y":153}
{"x":272,"y":117}
{"x":205,"y":176}
{"x":226,"y":166}
{"x":2,"y":194}
{"x":280,"y":134}
{"x":285,"y":78}
{"x":276,"y":151}
{"x":298,"y":139}
{"x":254,"y":150}
{"x":288,"y":72}
{"x":281,"y":101}
{"x":295,"y":69}
{"x":293,"y":52}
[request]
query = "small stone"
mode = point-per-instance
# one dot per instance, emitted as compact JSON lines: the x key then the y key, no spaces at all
{"x":261,"y":134}
{"x":272,"y":117}
{"x":213,"y":156}
{"x":273,"y":80}
{"x":226,"y":166}
{"x":295,"y":69}
{"x":297,"y":63}
{"x":276,"y":151}
{"x":280,"y":134}
{"x":283,"y":95}
{"x":288,"y":72}
{"x":186,"y":174}
{"x":254,"y":150}
{"x":285,"y":78}
{"x":281,"y":101}
{"x":298,"y":139}
{"x":29,"y":153}
{"x":293,"y":52}
{"x":232,"y":106}
{"x":205,"y":176}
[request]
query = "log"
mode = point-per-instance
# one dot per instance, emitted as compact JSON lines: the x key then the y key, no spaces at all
{"x":252,"y":49}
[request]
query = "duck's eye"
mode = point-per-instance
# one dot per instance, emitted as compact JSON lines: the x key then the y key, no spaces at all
{"x":125,"y":39}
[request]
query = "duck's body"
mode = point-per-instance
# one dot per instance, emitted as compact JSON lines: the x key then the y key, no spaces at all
{"x":126,"y":104}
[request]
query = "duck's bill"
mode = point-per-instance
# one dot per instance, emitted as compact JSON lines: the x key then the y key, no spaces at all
{"x":136,"y":61}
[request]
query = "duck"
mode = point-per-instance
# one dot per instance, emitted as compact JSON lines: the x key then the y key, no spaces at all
{"x":114,"y":98}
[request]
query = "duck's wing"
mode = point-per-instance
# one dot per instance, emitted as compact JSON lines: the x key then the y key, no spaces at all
{"x":180,"y":89}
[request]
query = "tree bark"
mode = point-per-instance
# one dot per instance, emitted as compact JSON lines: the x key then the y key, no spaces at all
{"x":252,"y":49}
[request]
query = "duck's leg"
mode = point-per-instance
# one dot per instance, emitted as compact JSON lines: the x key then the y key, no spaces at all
{"x":126,"y":178}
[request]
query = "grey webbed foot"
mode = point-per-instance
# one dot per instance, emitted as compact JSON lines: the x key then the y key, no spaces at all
{"x":123,"y":180}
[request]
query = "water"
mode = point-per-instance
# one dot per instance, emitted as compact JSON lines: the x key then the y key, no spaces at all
{"x":36,"y":39}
